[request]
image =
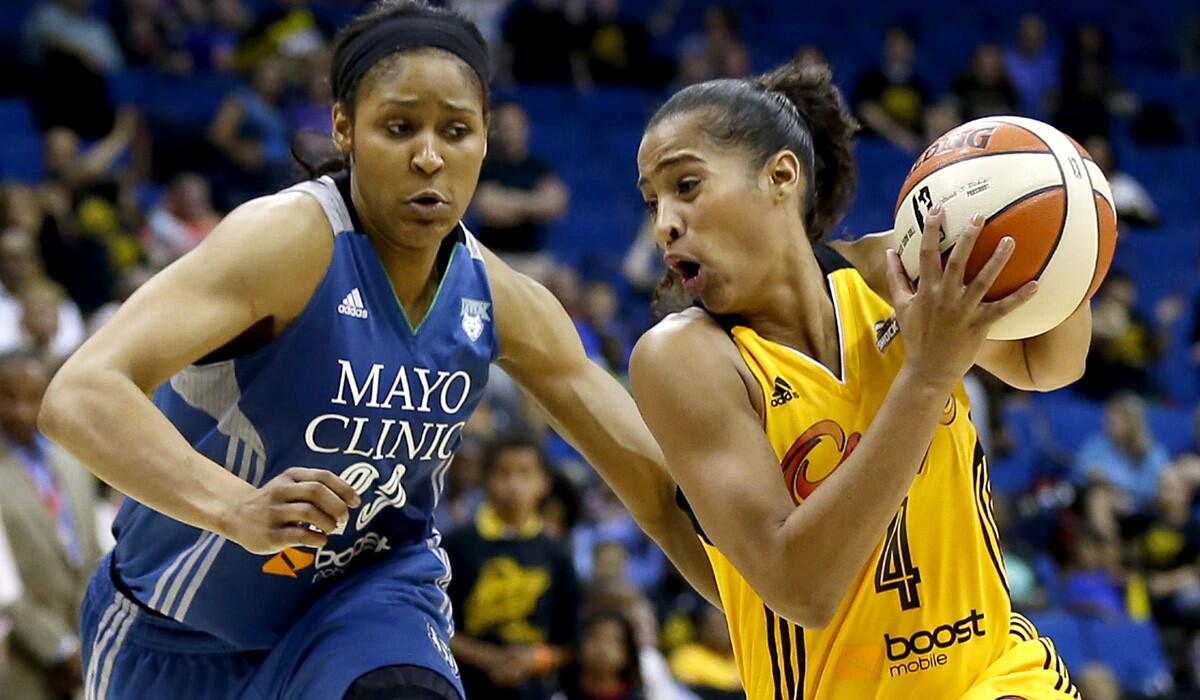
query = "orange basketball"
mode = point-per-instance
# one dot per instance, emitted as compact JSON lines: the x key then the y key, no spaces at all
{"x":1031,"y":182}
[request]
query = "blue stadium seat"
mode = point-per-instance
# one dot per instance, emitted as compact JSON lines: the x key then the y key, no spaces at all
{"x":16,"y":116}
{"x":21,"y":158}
{"x":1067,"y":632}
{"x":1069,"y":420}
{"x":1133,"y":652}
{"x":1173,"y":427}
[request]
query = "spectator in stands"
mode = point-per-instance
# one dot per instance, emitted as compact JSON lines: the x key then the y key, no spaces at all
{"x":1032,"y":67}
{"x":181,"y":219}
{"x":95,"y":168}
{"x":610,"y":522}
{"x":561,"y":509}
{"x":153,"y":33}
{"x":607,"y":668}
{"x":1166,"y":549}
{"x":601,"y":309}
{"x":288,"y":29}
{"x":542,"y":44}
{"x":1124,"y":342}
{"x":1097,"y":682}
{"x":10,"y":592}
{"x":310,"y":107}
{"x":619,"y":50}
{"x":519,"y":194}
{"x":20,"y":273}
{"x":73,"y":50}
{"x":1092,"y":585}
{"x":1120,"y":467}
{"x":68,"y":27}
{"x":459,"y":503}
{"x":514,"y":591}
{"x":1088,"y":83}
{"x":39,"y":322}
{"x":1133,"y":202}
{"x":251,"y":134}
{"x":47,"y":504}
{"x":706,"y":666}
{"x":891,"y":98}
{"x":986,"y":90}
{"x":213,"y":35}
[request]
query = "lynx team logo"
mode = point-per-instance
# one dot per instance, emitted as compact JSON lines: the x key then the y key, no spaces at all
{"x":474,"y":313}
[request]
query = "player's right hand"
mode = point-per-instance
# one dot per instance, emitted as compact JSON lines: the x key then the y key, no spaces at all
{"x":279,"y":514}
{"x":945,"y":320}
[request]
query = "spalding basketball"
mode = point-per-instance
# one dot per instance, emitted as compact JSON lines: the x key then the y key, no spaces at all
{"x":1029,"y":181}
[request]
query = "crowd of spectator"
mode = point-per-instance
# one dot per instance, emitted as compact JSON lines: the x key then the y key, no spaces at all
{"x":555,"y":589}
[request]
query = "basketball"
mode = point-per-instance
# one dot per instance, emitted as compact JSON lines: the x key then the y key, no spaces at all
{"x":1031,"y":182}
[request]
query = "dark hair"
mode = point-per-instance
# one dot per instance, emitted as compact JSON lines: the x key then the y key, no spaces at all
{"x":320,"y":157}
{"x":632,"y":673}
{"x":795,"y":107}
{"x":494,"y":449}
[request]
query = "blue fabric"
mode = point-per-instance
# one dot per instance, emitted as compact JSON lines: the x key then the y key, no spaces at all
{"x":37,"y":466}
{"x":349,"y":387}
{"x":1099,"y":456}
{"x":374,"y":619}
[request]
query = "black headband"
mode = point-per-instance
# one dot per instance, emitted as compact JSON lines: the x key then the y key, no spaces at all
{"x":404,"y":33}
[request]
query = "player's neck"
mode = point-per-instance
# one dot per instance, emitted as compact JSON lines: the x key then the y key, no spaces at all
{"x":795,"y":308}
{"x":413,"y":273}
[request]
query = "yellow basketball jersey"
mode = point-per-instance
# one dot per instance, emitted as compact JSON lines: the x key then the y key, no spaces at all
{"x":930,"y":610}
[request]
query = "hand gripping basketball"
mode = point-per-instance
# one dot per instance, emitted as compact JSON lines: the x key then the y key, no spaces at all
{"x":945,"y":319}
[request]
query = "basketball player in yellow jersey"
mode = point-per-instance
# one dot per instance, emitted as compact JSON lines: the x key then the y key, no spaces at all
{"x":820,"y":431}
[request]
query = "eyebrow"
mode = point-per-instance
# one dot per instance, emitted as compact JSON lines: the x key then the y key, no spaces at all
{"x":668,"y":162}
{"x":414,"y":101}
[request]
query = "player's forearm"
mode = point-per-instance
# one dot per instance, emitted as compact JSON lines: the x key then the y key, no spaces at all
{"x":1058,"y":357}
{"x":103,"y":419}
{"x":608,"y":430}
{"x":825,"y":541}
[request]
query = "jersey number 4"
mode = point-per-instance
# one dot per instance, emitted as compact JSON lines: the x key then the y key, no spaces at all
{"x":895,"y":570}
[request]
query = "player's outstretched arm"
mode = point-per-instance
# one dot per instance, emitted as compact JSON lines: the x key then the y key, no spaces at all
{"x":689,"y":386}
{"x":1047,"y":362}
{"x":540,"y":348}
{"x":261,"y":264}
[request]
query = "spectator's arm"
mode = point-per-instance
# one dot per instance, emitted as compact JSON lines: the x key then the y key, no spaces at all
{"x":1165,"y":583}
{"x":874,"y":116}
{"x":41,"y":633}
{"x":548,"y":201}
{"x":100,"y":158}
{"x":224,"y":135}
{"x":476,"y":653}
{"x":498,"y":206}
{"x":541,"y":350}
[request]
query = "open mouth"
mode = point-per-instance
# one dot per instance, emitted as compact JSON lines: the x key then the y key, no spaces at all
{"x":689,"y":270}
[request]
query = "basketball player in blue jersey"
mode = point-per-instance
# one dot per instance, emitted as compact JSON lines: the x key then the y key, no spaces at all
{"x":312,"y":366}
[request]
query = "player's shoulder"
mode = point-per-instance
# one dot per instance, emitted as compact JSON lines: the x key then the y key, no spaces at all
{"x":690,"y":340}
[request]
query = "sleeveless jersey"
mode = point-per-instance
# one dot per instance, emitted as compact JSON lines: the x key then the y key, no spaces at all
{"x":349,"y":386}
{"x":930,"y":609}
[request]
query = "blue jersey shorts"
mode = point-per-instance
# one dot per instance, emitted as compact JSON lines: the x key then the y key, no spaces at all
{"x":367,"y":621}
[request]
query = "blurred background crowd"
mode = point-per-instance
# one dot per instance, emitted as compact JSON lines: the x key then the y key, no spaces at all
{"x":131,"y":126}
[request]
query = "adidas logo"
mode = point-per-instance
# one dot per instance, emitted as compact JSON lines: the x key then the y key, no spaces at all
{"x":353,"y":305}
{"x":290,"y":560}
{"x":783,"y":392}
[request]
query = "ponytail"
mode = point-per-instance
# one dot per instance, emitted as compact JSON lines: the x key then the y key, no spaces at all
{"x":808,"y":86}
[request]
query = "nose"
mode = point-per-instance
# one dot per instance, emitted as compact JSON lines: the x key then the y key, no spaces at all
{"x":427,"y":160}
{"x":668,"y":226}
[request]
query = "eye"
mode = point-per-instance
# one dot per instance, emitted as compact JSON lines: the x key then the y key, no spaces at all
{"x":687,"y":185}
{"x":457,"y":130}
{"x":399,"y":128}
{"x":651,"y":206}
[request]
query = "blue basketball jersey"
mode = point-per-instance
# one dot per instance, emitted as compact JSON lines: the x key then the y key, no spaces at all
{"x":350,"y":386}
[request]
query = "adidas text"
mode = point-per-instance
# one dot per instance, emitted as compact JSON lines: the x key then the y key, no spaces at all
{"x":352,"y":305}
{"x":783,"y":392}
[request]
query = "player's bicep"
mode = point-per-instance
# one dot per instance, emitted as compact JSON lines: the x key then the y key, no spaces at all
{"x":209,"y":296}
{"x":696,"y":405}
